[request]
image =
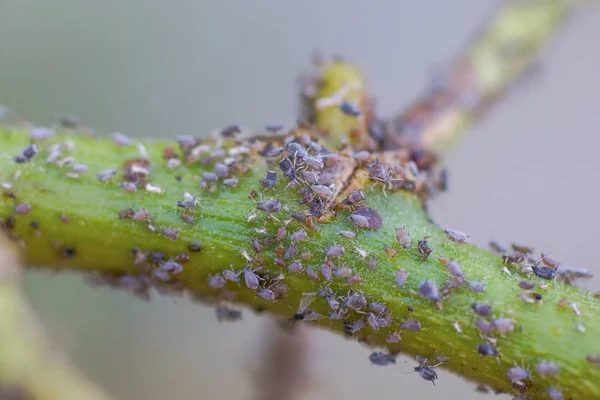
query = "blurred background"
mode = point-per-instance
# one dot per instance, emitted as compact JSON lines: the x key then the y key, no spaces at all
{"x":527,"y":173}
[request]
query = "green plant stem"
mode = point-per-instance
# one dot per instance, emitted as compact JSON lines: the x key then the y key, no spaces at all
{"x":103,"y":242}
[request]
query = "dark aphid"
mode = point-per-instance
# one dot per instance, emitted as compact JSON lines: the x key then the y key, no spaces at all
{"x":347,"y":234}
{"x":517,"y":374}
{"x":393,"y":337}
{"x":224,"y":313}
{"x":216,"y":281}
{"x":20,"y":159}
{"x":23,"y":208}
{"x":41,"y":133}
{"x":376,"y":131}
{"x":350,"y":109}
{"x":550,"y":262}
{"x":296,"y":149}
{"x":390,"y":251}
{"x":312,"y":275}
{"x":269,"y":206}
{"x":327,"y":272}
{"x":457,"y":236}
{"x":295,"y":267}
{"x":571,"y":274}
{"x":526,"y":285}
{"x":129,"y":187}
{"x":126,"y":213}
{"x":555,"y":394}
{"x":343,"y":272}
{"x":452,"y":266}
{"x":141,"y":215}
{"x":497,"y":247}
{"x":361,"y":155}
{"x":266,"y":294}
{"x":195,"y":247}
{"x":250,"y":279}
{"x":503,"y":325}
{"x":424,"y":248}
{"x":188,"y":201}
{"x":354,"y":198}
{"x":171,"y":267}
{"x":231,"y":130}
{"x":310,"y":176}
{"x":305,"y":301}
{"x":351,"y":327}
{"x":354,"y":280}
{"x":382,"y":359}
{"x":547,"y":368}
{"x":274,"y":127}
{"x":514,"y":258}
{"x":378,"y":171}
{"x":484,"y":326}
{"x":188,"y":219}
{"x":280,"y":289}
{"x":290,"y":252}
{"x":335,"y":251}
{"x":30,"y":151}
{"x":105,"y":175}
{"x":365,"y":217}
{"x":429,"y":290}
{"x":287,"y":167}
{"x":427,"y":373}
{"x":298,"y":235}
{"x":300,"y":217}
{"x":269,"y":180}
{"x":325,"y":292}
{"x":403,"y":237}
{"x":372,"y":263}
{"x":401,"y":276}
{"x":271,"y":150}
{"x":521,"y":249}
{"x":322,"y":191}
{"x":378,"y":308}
{"x":182,"y":258}
{"x":68,"y":252}
{"x":476,"y":286}
{"x":486,"y":349}
{"x":543,"y":272}
{"x":411,"y":325}
{"x":170,"y":233}
{"x":256,"y":245}
{"x":314,"y":162}
{"x":80,"y":168}
{"x":210,"y":176}
{"x":355,"y":301}
{"x":231,"y":182}
{"x":222,"y":170}
{"x":483,"y":310}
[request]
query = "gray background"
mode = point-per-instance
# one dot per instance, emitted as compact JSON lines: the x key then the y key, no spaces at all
{"x":528,"y":172}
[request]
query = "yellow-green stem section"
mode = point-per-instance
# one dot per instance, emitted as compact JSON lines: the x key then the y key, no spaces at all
{"x":103,"y":242}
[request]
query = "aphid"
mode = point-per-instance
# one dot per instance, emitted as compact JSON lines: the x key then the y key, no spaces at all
{"x":322,"y":191}
{"x":555,"y":394}
{"x":312,"y":275}
{"x":162,"y":275}
{"x":30,"y":151}
{"x":372,"y":263}
{"x":231,"y":182}
{"x":526,"y":285}
{"x":350,"y":109}
{"x":390,"y":251}
{"x":129,"y":186}
{"x":516,"y":374}
{"x":188,"y":219}
{"x":224,"y":313}
{"x":281,"y":233}
{"x":378,"y":171}
{"x":269,"y":206}
{"x":41,"y":133}
{"x":300,"y":217}
{"x":216,"y":281}
{"x":298,"y":235}
{"x":483,"y":310}
{"x":305,"y":301}
{"x":266,"y":294}
{"x":290,"y":252}
{"x":365,"y":217}
{"x":543,"y":272}
{"x":593,"y":358}
{"x":287,"y":167}
{"x":476,"y":286}
{"x":269,"y":180}
{"x":411,"y":325}
{"x":126,"y":213}
{"x":547,"y":368}
{"x":424,"y":248}
{"x":231,"y":130}
{"x":188,"y":201}
{"x":427,"y":372}
{"x":170,"y":233}
{"x":354,"y":280}
{"x":484,"y":326}
{"x":280,"y":289}
{"x":486,"y":349}
{"x":503,"y":325}
{"x":335,"y":251}
{"x":452,"y":266}
{"x":326,"y":271}
{"x":521,"y":249}
{"x":403,"y":237}
{"x":20,"y":159}
{"x":23,"y":208}
{"x":195,"y":247}
{"x":514,"y":258}
{"x":295,"y":266}
{"x":530,"y":297}
{"x":80,"y":168}
{"x":497,"y":247}
{"x":256,"y":245}
{"x":361,"y":155}
{"x":457,"y":236}
{"x":393,"y":337}
{"x":68,"y":252}
{"x":401,"y":276}
{"x":343,"y":272}
{"x":141,"y":215}
{"x":570,"y":274}
{"x":382,"y":359}
{"x":250,"y":279}
{"x":171,"y":266}
{"x":106,"y":174}
{"x":355,"y":301}
{"x":347,"y":234}
{"x":378,"y":308}
{"x":354,"y":198}
{"x":429,"y":290}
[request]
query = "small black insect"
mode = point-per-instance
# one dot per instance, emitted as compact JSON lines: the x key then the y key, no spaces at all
{"x":486,"y":349}
{"x":543,"y":272}
{"x":270,"y":180}
{"x":426,"y":371}
{"x":287,"y":167}
{"x":350,"y":109}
